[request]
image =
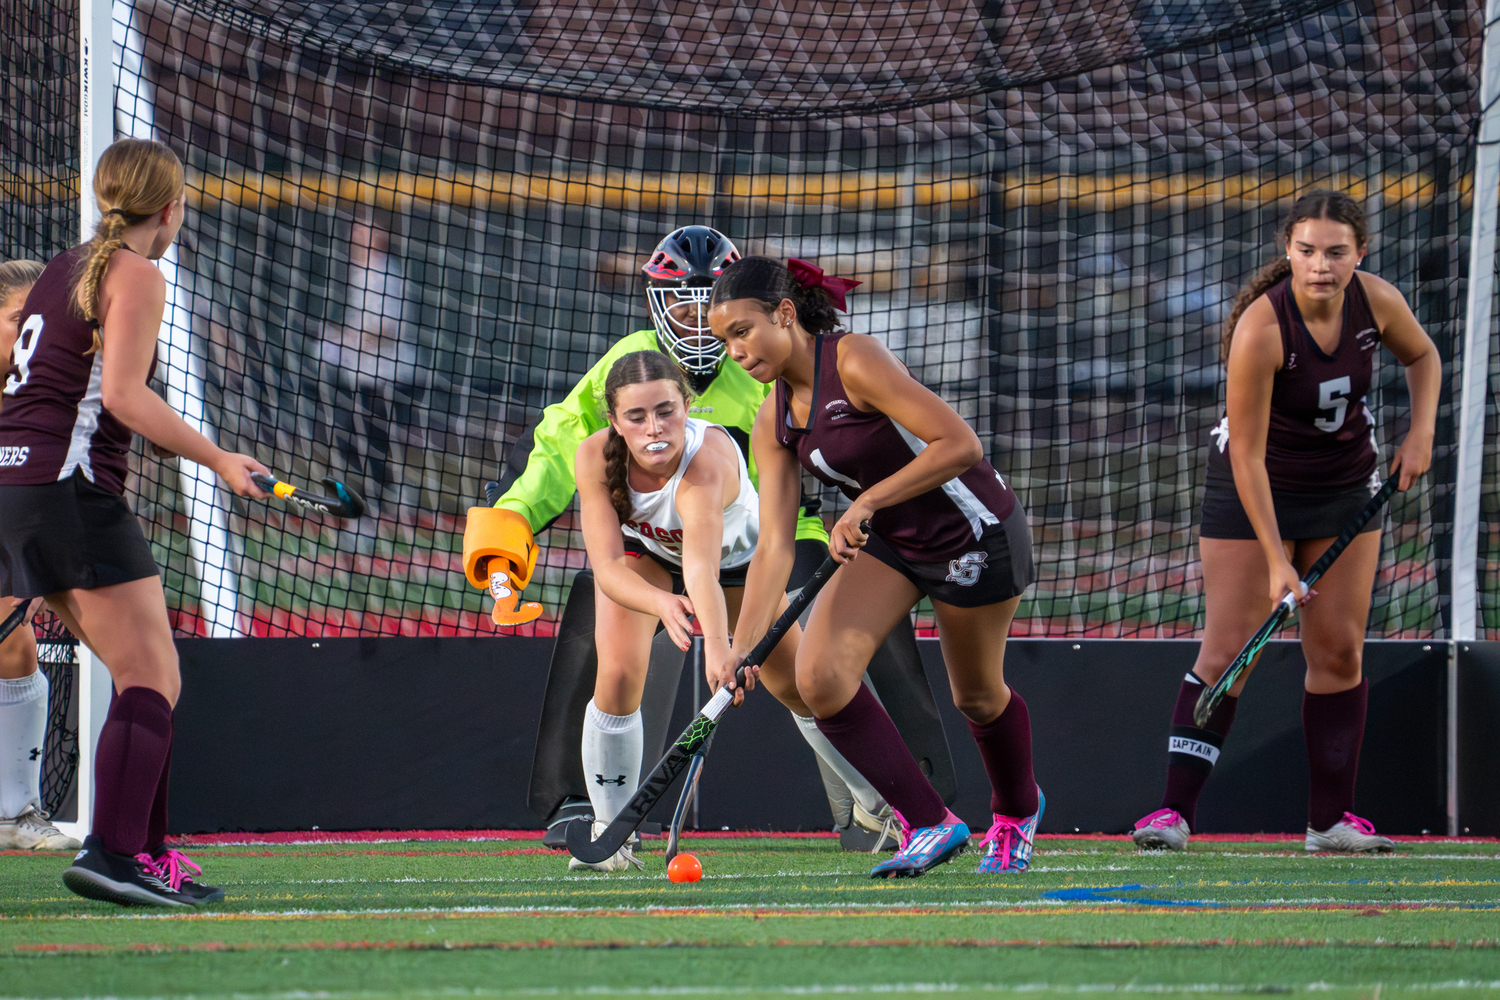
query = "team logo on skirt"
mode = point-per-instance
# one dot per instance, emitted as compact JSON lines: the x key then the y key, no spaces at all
{"x":965,"y":570}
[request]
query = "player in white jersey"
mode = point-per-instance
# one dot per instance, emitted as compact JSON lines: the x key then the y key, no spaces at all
{"x":656,"y":522}
{"x":670,"y":520}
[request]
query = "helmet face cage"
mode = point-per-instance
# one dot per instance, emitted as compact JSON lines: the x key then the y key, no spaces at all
{"x":681,"y":318}
{"x":682,"y":271}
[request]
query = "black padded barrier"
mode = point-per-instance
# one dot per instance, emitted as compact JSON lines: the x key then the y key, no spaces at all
{"x":438,"y":733}
{"x":1478,"y":750}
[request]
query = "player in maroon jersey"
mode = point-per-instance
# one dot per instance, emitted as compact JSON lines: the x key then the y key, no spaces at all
{"x":1291,"y":462}
{"x":942,"y":524}
{"x":76,"y":390}
{"x":23,"y":688}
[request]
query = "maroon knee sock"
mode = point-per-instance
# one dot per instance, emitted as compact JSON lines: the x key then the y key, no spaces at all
{"x":1005,"y":746}
{"x":1334,"y":727}
{"x":1192,"y":752}
{"x":156,"y":826}
{"x":133,"y":749}
{"x":868,"y":739}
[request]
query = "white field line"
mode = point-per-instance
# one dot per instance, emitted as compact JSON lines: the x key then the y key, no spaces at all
{"x":1055,"y":905}
{"x":856,"y":989}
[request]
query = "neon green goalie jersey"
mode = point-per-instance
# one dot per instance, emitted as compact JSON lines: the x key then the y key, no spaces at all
{"x":539,"y":481}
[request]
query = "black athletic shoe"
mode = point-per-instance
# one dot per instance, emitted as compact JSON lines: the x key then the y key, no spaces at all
{"x":115,"y":878}
{"x":573,"y":807}
{"x":177,"y":870}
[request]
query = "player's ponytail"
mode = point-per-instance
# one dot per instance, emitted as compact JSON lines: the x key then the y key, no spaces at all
{"x":768,"y":281}
{"x":1317,"y":204}
{"x":135,"y":179}
{"x":637,"y":366}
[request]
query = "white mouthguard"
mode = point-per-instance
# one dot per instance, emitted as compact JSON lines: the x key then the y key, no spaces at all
{"x":657,"y":446}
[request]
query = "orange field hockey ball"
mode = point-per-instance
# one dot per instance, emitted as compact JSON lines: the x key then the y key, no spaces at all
{"x":685,"y":868}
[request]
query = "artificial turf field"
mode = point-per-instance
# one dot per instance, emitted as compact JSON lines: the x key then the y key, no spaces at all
{"x":772,"y":916}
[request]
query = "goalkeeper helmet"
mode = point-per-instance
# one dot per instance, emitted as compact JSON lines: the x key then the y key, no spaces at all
{"x":680,"y":275}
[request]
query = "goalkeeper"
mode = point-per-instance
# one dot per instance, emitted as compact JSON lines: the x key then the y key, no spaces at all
{"x":538,"y":486}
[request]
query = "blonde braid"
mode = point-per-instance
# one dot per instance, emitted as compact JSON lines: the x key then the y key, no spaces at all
{"x":108,"y":237}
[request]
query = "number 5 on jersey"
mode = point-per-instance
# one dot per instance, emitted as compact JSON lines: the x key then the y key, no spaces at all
{"x":1329,"y":394}
{"x":31,"y":333}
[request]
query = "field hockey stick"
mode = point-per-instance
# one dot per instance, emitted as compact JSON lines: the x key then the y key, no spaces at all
{"x":689,"y":793}
{"x":343,"y":503}
{"x":1209,"y":699}
{"x":692,"y":741}
{"x":695,"y":766}
{"x":14,"y":619}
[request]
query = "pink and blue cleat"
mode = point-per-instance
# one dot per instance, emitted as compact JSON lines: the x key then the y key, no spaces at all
{"x":1010,"y":840}
{"x":924,"y":848}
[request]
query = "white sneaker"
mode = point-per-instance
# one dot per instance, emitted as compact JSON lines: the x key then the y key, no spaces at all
{"x":1349,"y":834}
{"x":1163,"y":830}
{"x":620,"y":861}
{"x":887,"y":834}
{"x":33,"y":831}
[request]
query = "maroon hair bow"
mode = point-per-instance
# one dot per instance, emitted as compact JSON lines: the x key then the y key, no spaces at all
{"x":810,"y":275}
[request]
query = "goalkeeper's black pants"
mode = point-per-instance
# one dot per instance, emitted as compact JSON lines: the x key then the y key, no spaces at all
{"x":557,"y":768}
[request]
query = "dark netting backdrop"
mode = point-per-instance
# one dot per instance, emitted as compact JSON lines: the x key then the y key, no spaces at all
{"x":413,"y":226}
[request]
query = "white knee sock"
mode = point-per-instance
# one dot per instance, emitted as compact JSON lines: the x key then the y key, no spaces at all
{"x":864,"y":793}
{"x":23,"y":726}
{"x":611,"y":759}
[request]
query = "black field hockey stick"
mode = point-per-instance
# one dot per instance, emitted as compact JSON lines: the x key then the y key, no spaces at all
{"x":692,"y":741}
{"x":695,"y":766}
{"x":689,"y":794}
{"x":1209,"y":699}
{"x":14,"y":619}
{"x":343,"y":502}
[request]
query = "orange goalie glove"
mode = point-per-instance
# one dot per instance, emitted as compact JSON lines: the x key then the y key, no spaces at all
{"x":499,"y":556}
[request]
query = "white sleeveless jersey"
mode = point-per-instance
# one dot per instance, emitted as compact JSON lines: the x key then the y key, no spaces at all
{"x":655,"y":522}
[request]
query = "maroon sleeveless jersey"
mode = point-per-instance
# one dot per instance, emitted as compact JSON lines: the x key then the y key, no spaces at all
{"x":54,"y":420}
{"x":1321,"y":435}
{"x":855,"y":449}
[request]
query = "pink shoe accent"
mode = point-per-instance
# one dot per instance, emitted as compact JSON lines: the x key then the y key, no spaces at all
{"x":1161,"y":818}
{"x":171,"y":867}
{"x":1364,"y":826}
{"x":903,"y":826}
{"x":948,"y":820}
{"x":1006,"y":832}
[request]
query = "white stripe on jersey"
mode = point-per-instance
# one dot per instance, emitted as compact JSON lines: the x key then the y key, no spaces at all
{"x":87,"y":422}
{"x":817,"y":459}
{"x":963,"y":498}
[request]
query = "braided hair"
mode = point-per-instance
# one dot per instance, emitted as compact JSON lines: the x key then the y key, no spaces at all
{"x":135,"y":179}
{"x":1317,"y":204}
{"x":767,"y":281}
{"x":630,"y":369}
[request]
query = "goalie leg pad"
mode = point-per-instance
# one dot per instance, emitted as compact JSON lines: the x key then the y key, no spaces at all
{"x":557,"y":767}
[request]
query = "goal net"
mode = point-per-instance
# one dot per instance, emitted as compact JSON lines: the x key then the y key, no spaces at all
{"x":413,"y":226}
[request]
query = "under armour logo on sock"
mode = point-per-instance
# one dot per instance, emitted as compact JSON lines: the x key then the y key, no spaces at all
{"x":601,"y":779}
{"x":36,"y":753}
